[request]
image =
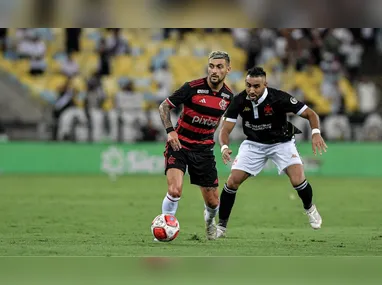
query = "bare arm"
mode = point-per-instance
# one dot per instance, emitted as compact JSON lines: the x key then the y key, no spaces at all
{"x":225,"y":131}
{"x":318,"y":142}
{"x":312,"y":117}
{"x":165,"y":115}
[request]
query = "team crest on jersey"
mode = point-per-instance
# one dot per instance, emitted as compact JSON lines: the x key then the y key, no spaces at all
{"x":293,"y":100}
{"x":223,"y":104}
{"x":171,"y":160}
{"x":246,"y":109}
{"x":268,"y":110}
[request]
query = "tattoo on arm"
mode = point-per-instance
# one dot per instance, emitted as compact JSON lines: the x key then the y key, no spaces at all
{"x":164,"y":112}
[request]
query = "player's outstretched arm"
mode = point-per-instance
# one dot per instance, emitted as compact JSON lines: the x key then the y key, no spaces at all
{"x":165,"y":115}
{"x":318,"y":142}
{"x":225,"y":131}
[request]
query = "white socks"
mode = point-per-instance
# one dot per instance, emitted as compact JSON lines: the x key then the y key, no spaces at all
{"x":170,"y":205}
{"x":210,"y":213}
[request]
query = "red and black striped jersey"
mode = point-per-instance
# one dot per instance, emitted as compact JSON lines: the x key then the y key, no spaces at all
{"x":202,"y":110}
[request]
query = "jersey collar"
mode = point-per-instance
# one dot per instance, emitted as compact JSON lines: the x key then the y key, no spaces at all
{"x":215,"y":93}
{"x":261,"y":99}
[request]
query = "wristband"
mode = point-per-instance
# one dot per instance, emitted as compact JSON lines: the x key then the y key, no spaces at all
{"x":316,"y":131}
{"x":169,"y":130}
{"x":223,"y":148}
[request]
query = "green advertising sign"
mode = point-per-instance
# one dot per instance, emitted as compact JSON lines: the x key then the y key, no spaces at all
{"x":350,"y":159}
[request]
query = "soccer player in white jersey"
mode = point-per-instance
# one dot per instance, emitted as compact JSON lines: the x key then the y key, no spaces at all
{"x":269,"y":136}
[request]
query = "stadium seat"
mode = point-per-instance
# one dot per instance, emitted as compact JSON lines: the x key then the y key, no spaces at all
{"x":20,"y":67}
{"x":55,"y":82}
{"x":66,"y":122}
{"x":110,"y":85}
{"x":89,"y":63}
{"x":337,"y":128}
{"x":238,"y":58}
{"x":7,"y":65}
{"x":236,"y":76}
{"x":372,"y":128}
{"x":304,"y":82}
{"x":88,"y":44}
{"x":350,"y":96}
{"x":79,"y":83}
{"x":122,"y":65}
{"x":187,"y":59}
{"x":131,"y":122}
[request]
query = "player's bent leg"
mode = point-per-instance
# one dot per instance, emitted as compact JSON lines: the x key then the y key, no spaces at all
{"x":250,"y":160}
{"x":174,"y":192}
{"x":210,"y":196}
{"x":211,"y":208}
{"x":203,"y":172}
{"x":304,"y":190}
{"x":236,"y":178}
{"x":227,"y":199}
{"x":296,"y":174}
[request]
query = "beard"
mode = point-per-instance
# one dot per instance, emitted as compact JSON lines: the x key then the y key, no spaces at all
{"x":216,"y":81}
{"x":254,"y":98}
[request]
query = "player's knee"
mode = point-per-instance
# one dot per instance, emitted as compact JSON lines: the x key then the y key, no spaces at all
{"x":234,"y":182}
{"x":175,"y":190}
{"x":296,"y":174}
{"x":297,"y":178}
{"x":213,"y":202}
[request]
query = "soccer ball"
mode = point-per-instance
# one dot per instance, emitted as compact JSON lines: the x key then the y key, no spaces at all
{"x":165,"y":227}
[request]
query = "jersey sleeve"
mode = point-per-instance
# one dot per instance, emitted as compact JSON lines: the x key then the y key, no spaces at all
{"x":233,"y":110}
{"x":291,"y":104}
{"x":179,"y":96}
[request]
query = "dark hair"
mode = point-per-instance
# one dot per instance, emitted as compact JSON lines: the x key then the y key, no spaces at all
{"x":256,"y":72}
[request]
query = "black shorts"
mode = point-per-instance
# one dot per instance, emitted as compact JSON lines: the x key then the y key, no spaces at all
{"x":201,"y":165}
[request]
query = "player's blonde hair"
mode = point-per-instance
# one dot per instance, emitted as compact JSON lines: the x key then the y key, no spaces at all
{"x":220,"y":54}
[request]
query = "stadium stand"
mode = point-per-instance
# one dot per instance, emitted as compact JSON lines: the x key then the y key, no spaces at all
{"x":113,"y":77}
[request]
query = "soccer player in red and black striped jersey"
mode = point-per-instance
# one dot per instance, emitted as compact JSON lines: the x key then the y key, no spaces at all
{"x":190,"y":144}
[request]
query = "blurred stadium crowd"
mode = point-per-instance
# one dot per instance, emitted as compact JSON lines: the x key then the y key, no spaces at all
{"x":105,"y":84}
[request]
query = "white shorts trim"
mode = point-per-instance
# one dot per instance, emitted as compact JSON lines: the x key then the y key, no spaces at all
{"x":253,"y":156}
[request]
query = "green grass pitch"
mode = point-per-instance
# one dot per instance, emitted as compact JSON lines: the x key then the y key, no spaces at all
{"x":93,"y":216}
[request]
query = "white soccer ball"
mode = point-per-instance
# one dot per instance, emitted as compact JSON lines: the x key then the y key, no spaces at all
{"x":165,"y":227}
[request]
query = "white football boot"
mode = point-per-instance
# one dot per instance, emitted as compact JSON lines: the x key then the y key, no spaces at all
{"x":315,"y":219}
{"x":210,"y":227}
{"x":220,"y":231}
